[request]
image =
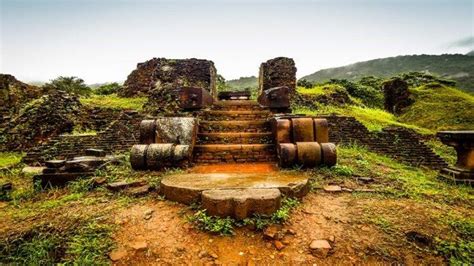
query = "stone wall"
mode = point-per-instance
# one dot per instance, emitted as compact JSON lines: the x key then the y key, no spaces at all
{"x":277,"y":72}
{"x":14,"y":93}
{"x":119,"y":136}
{"x":159,"y":73}
{"x":98,"y":118}
{"x":399,"y":143}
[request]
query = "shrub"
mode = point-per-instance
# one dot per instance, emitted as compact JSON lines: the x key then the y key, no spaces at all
{"x":370,"y":96}
{"x":304,"y":83}
{"x":108,"y":89}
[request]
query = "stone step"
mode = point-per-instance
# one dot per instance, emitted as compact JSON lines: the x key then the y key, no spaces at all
{"x":235,"y":137}
{"x":237,"y":105}
{"x":190,"y":188}
{"x":225,"y":115}
{"x":260,"y":125}
{"x":234,"y":153}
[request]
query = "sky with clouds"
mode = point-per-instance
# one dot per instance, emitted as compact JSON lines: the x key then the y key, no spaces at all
{"x":103,"y":40}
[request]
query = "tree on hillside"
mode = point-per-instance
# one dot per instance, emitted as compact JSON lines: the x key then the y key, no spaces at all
{"x":73,"y":85}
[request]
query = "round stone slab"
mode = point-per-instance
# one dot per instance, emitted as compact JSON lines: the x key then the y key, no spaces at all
{"x":241,"y":203}
{"x":187,"y":188}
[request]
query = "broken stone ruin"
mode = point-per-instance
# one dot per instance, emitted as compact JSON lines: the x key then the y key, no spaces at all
{"x":228,"y":128}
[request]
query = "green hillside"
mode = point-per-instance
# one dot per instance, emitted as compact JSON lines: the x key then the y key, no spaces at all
{"x":243,"y":83}
{"x":435,"y":106}
{"x":457,"y":67}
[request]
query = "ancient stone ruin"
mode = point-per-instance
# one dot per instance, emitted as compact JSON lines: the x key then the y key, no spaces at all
{"x":396,"y":95}
{"x":236,"y":131}
{"x":463,"y":142}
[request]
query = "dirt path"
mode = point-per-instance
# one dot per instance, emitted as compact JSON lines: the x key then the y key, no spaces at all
{"x":168,"y":238}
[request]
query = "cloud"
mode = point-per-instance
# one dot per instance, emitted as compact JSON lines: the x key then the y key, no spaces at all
{"x":462,"y":43}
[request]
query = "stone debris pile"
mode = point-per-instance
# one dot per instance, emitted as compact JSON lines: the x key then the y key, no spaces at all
{"x":164,"y":142}
{"x":60,"y":172}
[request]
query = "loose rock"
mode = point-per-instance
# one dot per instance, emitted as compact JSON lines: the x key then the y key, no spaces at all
{"x":332,"y":188}
{"x":320,"y":248}
{"x":118,"y":254}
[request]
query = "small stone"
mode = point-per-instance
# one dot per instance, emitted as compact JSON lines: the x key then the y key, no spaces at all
{"x":32,"y":169}
{"x":320,"y":248}
{"x":271,"y":232}
{"x":332,"y":238}
{"x":346,"y":189}
{"x":291,"y":231}
{"x":117,"y":254}
{"x":332,"y":188}
{"x":139,"y":245}
{"x":213,"y":255}
{"x":137,"y":191}
{"x":365,"y":179}
{"x":149,"y":212}
{"x":99,"y":181}
{"x":202,"y":254}
{"x":272,"y":256}
{"x":278,"y":245}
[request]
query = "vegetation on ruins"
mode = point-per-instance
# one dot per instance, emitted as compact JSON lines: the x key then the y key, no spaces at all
{"x":114,"y":102}
{"x":226,"y":226}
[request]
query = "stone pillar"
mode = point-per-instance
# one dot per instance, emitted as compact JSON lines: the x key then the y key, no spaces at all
{"x":277,"y":83}
{"x":463,"y":143}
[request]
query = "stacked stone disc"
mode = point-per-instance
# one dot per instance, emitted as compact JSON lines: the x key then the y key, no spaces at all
{"x":303,"y":141}
{"x":161,"y":146}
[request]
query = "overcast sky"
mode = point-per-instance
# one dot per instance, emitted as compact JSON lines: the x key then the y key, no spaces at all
{"x":103,"y":40}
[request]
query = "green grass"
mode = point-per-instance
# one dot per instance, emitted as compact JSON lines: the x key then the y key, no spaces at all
{"x":372,"y":118}
{"x":80,"y":244}
{"x":225,"y":226}
{"x":114,"y":102}
{"x":10,"y":158}
{"x":438,"y":107}
{"x":400,"y":180}
{"x":320,"y":89}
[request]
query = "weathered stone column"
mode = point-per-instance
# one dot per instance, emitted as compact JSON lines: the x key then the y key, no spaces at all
{"x":277,"y":82}
{"x":463,"y":143}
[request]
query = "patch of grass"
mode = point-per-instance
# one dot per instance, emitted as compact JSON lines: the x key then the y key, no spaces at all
{"x":213,"y":224}
{"x":438,"y":107}
{"x":115,"y":102}
{"x":446,"y":152}
{"x":381,"y":222}
{"x":87,"y":243}
{"x":82,"y":132}
{"x":457,"y":252}
{"x":225,"y":226}
{"x":8,"y":159}
{"x":373,"y":118}
{"x":90,"y":245}
{"x":401,"y":180}
{"x":320,"y":89}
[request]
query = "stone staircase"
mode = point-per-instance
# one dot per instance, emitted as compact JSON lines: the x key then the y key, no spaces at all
{"x":234,"y":132}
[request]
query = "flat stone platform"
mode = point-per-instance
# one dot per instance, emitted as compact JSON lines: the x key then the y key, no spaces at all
{"x":233,"y":187}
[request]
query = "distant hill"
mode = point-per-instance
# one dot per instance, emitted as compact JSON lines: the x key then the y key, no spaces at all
{"x":457,"y":67}
{"x":243,"y":83}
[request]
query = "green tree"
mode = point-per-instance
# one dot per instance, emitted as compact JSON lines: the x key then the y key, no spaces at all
{"x":108,"y":89}
{"x":221,"y":84}
{"x":69,"y":84}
